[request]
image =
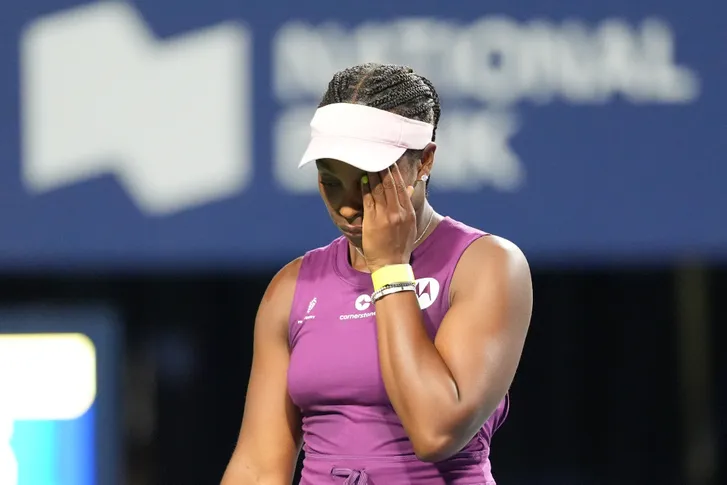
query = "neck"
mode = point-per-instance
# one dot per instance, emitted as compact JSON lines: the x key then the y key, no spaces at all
{"x":425,"y":214}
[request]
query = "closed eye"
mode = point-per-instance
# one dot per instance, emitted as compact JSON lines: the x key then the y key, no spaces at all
{"x":330,"y":183}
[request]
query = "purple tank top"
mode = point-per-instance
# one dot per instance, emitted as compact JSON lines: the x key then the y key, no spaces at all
{"x":351,"y":433}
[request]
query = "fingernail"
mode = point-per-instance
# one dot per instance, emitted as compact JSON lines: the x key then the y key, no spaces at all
{"x":410,"y":191}
{"x":365,"y":179}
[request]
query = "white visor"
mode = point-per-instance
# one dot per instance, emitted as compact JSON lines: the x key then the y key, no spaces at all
{"x":368,"y":138}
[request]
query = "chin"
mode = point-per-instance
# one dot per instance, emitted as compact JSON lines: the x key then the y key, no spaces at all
{"x":356,"y":241}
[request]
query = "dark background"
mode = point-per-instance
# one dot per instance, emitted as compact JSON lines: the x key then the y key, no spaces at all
{"x":605,"y":393}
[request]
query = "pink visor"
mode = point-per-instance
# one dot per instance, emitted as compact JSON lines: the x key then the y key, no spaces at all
{"x":368,"y":138}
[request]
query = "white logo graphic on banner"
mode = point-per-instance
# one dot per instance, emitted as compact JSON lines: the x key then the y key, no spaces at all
{"x":171,"y":119}
{"x":483,"y":70}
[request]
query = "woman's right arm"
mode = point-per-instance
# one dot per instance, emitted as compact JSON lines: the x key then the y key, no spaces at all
{"x":269,"y":442}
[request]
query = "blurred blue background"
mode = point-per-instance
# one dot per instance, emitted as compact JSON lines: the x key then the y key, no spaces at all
{"x":148,"y":192}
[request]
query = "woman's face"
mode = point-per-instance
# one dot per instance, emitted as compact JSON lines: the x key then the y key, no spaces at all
{"x":340,"y":187}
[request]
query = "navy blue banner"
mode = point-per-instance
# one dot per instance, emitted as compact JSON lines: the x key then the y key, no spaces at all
{"x":165,"y":133}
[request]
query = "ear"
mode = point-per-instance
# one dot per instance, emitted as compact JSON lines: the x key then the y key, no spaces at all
{"x":427,"y":161}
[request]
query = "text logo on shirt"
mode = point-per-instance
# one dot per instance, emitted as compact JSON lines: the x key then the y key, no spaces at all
{"x":308,"y":315}
{"x":427,"y":291}
{"x":362,"y":303}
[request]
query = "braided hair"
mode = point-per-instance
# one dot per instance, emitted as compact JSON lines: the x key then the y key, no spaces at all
{"x":388,"y":87}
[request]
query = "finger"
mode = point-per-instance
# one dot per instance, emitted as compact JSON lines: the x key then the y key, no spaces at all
{"x":403,"y":192}
{"x":377,"y":191}
{"x":392,"y":186}
{"x":387,"y":181}
{"x":368,"y":199}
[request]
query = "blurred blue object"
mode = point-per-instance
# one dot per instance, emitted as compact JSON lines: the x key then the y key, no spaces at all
{"x":60,"y":382}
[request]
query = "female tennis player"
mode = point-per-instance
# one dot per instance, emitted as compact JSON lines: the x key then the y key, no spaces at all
{"x":388,"y":353}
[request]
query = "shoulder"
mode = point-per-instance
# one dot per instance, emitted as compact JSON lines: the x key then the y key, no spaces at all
{"x":492,"y":261}
{"x":283,"y":283}
{"x":277,"y":302}
{"x":495,"y":249}
{"x":274,"y":310}
{"x":485,"y":249}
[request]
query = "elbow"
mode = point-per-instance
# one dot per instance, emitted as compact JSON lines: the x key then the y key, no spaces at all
{"x":435,"y":446}
{"x":435,"y":449}
{"x":443,"y":440}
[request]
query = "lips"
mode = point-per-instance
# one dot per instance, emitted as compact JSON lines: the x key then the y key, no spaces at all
{"x":351,"y":230}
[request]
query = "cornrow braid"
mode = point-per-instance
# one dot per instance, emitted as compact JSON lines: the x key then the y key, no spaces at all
{"x":388,"y":87}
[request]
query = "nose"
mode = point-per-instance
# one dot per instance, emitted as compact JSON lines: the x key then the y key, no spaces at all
{"x":349,"y":213}
{"x":352,"y":208}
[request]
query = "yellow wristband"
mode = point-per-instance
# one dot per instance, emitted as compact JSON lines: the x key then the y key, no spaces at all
{"x":394,"y":273}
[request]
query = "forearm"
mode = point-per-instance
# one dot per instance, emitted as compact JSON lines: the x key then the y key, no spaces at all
{"x":243,"y":470}
{"x":240,"y":474}
{"x":419,"y":384}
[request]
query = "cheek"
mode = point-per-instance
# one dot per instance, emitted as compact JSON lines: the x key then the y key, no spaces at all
{"x":408,"y":174}
{"x":324,"y":195}
{"x":329,"y":197}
